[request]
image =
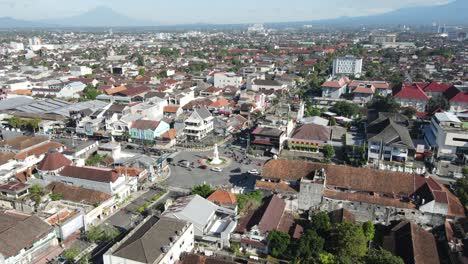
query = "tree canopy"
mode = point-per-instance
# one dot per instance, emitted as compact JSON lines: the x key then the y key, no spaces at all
{"x":328,"y":152}
{"x":278,"y":242}
{"x":462,"y":190}
{"x":347,"y":241}
{"x":346,"y":109}
{"x":204,"y":190}
{"x":381,"y":256}
{"x":384,"y":104}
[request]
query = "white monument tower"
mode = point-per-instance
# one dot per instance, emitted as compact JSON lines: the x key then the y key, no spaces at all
{"x":216,"y":160}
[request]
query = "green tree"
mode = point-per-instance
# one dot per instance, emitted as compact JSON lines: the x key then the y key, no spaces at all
{"x":71,"y":254}
{"x":95,"y":160}
{"x":252,"y":197}
{"x":326,"y":258}
{"x":141,"y":72}
{"x":462,"y":190}
{"x":384,"y":104}
{"x":308,"y":247}
{"x":97,"y":234}
{"x":55,"y":196}
{"x":36,"y":193}
{"x":409,"y":112}
{"x":436,"y":103}
{"x":381,"y":256}
{"x":346,"y":109}
{"x":204,"y":190}
{"x":320,"y":223}
{"x":347,"y":242}
{"x":369,"y":230}
{"x":278,"y":242}
{"x":328,"y":152}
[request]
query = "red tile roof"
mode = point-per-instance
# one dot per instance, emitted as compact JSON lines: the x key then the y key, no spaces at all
{"x":53,"y":161}
{"x":412,"y":91}
{"x":13,"y":186}
{"x":171,"y":109}
{"x":453,"y":94}
{"x":436,"y":87}
{"x":90,"y":173}
{"x":145,"y":124}
{"x":223,"y":197}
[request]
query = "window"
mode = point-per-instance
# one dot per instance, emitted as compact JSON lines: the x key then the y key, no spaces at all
{"x":461,"y":140}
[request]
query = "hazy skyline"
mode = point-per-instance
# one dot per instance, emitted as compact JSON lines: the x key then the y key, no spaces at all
{"x":208,"y":11}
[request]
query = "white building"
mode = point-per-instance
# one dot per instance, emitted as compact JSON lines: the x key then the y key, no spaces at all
{"x":154,"y":241}
{"x":199,"y":124}
{"x":348,"y":65}
{"x":80,"y":70}
{"x":16,"y":46}
{"x":224,"y":79}
{"x":446,"y":134}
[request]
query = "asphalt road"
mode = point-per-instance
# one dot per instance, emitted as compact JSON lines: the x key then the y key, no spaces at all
{"x":234,"y":172}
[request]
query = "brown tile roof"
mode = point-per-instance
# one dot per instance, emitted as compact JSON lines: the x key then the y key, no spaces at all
{"x":145,"y":124}
{"x":413,"y":244}
{"x":6,"y":157}
{"x":77,"y":194}
{"x":132,"y":172}
{"x":53,"y":161}
{"x":13,"y":186}
{"x":312,"y":132}
{"x":19,"y":231}
{"x":387,"y":187}
{"x":171,"y":134}
{"x":115,"y":90}
{"x":274,"y":186}
{"x":90,"y":173}
{"x":22,"y":142}
{"x":38,"y":151}
{"x":171,"y":109}
{"x":223,"y":197}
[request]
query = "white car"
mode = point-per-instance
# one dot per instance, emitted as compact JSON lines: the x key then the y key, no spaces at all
{"x":254,"y":172}
{"x":217,"y":169}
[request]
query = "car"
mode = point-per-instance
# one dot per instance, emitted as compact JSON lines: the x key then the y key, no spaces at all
{"x":217,"y":169}
{"x":254,"y":172}
{"x":203,"y":167}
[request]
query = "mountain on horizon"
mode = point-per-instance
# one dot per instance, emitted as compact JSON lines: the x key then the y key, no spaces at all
{"x":455,"y":12}
{"x":100,"y":16}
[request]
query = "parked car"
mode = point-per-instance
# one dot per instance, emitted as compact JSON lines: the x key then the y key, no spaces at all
{"x":217,"y":169}
{"x":254,"y":172}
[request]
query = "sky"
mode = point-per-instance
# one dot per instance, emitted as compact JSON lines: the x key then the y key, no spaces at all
{"x":208,"y":11}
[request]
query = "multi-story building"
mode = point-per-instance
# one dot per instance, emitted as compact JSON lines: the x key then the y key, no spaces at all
{"x":447,"y":134}
{"x":411,"y":95}
{"x":24,"y":238}
{"x":268,"y":140}
{"x":335,"y":88}
{"x":389,"y":139}
{"x":370,"y":195}
{"x":199,"y":124}
{"x":155,"y":241}
{"x":383,"y":38}
{"x":148,"y":129}
{"x":212,"y":224}
{"x":348,"y":65}
{"x":224,"y":79}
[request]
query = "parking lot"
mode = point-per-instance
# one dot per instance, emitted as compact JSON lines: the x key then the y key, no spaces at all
{"x":234,"y":173}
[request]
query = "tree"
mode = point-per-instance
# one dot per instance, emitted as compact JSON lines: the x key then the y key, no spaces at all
{"x":381,"y":256}
{"x":326,"y":258}
{"x":97,"y":234}
{"x":328,"y":152}
{"x":71,"y":254}
{"x":308,"y":247}
{"x":252,"y":197}
{"x":346,"y":109}
{"x":384,"y":104}
{"x":369,"y":230}
{"x":436,"y":103}
{"x":204,"y":190}
{"x":409,"y":112}
{"x":320,"y":223}
{"x":95,"y":160}
{"x":462,"y":190}
{"x":348,"y":242}
{"x":278,"y":242}
{"x":141,"y":72}
{"x":36,"y":192}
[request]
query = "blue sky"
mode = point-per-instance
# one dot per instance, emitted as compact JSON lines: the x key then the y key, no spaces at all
{"x":209,"y":11}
